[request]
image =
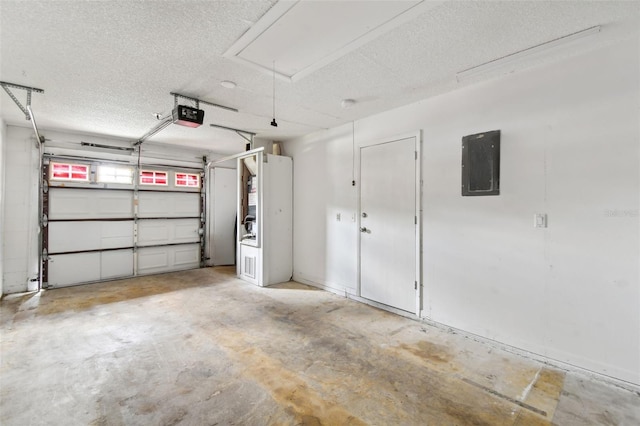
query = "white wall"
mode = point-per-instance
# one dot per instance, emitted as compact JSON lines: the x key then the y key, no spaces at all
{"x":570,"y":148}
{"x":324,"y":248}
{"x":20,"y":239}
{"x":3,"y":130}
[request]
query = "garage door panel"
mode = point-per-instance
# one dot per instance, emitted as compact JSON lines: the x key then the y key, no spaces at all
{"x":116,"y":234}
{"x":70,"y":269}
{"x":187,"y":231}
{"x":116,"y":264}
{"x":168,"y":204}
{"x":152,"y":233}
{"x":153,"y":260}
{"x":89,"y":235}
{"x":65,"y":203}
{"x":116,"y":205}
{"x":187,"y":256}
{"x":168,"y":231}
{"x":78,"y":268}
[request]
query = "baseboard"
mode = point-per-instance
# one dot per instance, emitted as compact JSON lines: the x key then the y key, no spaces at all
{"x":610,"y":380}
{"x":384,"y":307}
{"x":562,"y":365}
{"x":336,"y":289}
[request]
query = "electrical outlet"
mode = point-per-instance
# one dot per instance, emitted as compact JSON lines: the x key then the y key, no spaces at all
{"x":540,"y":220}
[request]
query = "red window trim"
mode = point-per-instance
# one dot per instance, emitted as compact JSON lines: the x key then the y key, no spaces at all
{"x":153,"y":177}
{"x":71,"y":172}
{"x":187,"y":180}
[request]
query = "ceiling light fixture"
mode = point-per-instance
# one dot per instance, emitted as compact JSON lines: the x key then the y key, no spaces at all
{"x":530,"y":51}
{"x":228,"y":84}
{"x":347,"y":103}
{"x":273,"y":122}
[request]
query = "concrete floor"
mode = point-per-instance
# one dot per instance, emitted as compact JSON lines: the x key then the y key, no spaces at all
{"x":203,"y":348}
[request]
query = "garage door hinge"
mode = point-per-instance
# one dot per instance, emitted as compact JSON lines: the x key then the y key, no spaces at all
{"x":45,"y":221}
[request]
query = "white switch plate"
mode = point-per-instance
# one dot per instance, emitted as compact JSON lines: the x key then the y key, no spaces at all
{"x":540,"y":220}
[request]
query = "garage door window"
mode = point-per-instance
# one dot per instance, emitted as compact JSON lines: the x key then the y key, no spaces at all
{"x":71,"y":172}
{"x":188,"y":179}
{"x":112,"y":174}
{"x":153,"y":177}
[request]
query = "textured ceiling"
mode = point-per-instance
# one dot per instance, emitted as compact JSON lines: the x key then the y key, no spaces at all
{"x":108,"y":66}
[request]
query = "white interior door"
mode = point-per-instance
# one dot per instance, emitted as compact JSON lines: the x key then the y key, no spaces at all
{"x":388,"y":224}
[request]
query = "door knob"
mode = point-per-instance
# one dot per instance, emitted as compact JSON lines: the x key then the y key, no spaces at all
{"x":363,"y":229}
{"x":364,"y":214}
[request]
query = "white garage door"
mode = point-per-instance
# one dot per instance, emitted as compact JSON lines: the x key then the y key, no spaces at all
{"x":109,"y":221}
{"x":169,"y":231}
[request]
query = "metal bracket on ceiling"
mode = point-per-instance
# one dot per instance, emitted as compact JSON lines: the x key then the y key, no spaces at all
{"x":240,"y":132}
{"x":6,"y":86}
{"x":234,"y":156}
{"x":250,"y":139}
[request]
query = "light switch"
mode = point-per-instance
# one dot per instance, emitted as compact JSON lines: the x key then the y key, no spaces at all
{"x":338,"y":217}
{"x":540,"y":220}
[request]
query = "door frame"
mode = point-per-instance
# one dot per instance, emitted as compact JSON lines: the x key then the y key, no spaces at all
{"x":418,"y":214}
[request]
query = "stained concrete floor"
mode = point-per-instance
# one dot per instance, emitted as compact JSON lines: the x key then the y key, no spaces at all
{"x":203,"y":348}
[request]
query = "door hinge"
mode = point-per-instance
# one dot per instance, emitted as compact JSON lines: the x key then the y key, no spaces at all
{"x":415,"y":285}
{"x":415,"y":220}
{"x":416,"y":152}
